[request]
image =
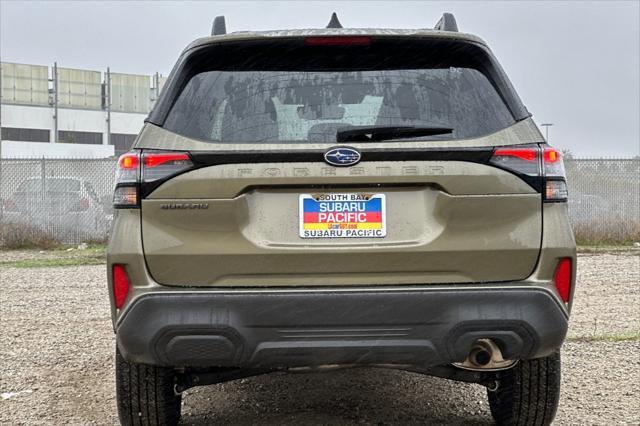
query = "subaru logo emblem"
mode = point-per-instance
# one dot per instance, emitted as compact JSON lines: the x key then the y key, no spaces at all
{"x":342,"y":156}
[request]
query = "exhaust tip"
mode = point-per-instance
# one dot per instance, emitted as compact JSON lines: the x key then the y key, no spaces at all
{"x":481,"y":357}
{"x":485,"y":355}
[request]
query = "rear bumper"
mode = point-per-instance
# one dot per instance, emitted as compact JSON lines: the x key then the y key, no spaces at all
{"x":272,"y":329}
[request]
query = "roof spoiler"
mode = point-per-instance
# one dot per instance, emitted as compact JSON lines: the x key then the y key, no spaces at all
{"x":447,"y":23}
{"x":219,"y":27}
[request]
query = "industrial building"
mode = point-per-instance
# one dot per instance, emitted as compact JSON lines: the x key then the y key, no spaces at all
{"x":57,"y":112}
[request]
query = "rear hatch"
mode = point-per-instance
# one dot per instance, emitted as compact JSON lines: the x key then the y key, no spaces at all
{"x":338,"y":162}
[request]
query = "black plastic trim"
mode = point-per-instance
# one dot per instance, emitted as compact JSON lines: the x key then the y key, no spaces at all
{"x":215,"y":158}
{"x":211,"y":158}
{"x":272,"y":329}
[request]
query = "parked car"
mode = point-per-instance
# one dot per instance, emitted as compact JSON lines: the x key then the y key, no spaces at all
{"x":62,"y":203}
{"x":589,"y":207}
{"x":337,"y":197}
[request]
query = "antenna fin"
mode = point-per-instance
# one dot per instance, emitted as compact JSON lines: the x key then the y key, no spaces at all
{"x":447,"y":23}
{"x":219,"y":26}
{"x":334,"y":22}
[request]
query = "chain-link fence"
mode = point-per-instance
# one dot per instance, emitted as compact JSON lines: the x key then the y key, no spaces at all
{"x":66,"y":200}
{"x":604,"y":199}
{"x":69,"y":200}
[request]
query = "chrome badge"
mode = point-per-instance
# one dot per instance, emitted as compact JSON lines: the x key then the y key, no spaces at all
{"x":342,"y":156}
{"x":184,"y":206}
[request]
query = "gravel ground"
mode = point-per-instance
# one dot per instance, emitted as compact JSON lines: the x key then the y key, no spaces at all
{"x":56,"y":347}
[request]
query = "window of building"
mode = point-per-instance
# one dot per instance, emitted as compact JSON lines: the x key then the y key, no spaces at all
{"x":122,"y":142}
{"x":91,"y":138}
{"x":24,"y":135}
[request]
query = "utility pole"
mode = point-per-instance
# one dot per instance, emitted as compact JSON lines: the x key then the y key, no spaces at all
{"x":156,"y":83}
{"x":0,"y":126}
{"x":108,"y":96}
{"x":546,"y":130}
{"x":0,"y":121}
{"x":55,"y":102}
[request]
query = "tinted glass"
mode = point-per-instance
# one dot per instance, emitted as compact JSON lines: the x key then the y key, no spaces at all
{"x":311,"y":106}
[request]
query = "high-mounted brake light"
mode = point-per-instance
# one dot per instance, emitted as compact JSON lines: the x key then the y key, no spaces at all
{"x":562,"y":279}
{"x":338,"y":41}
{"x":120,"y":285}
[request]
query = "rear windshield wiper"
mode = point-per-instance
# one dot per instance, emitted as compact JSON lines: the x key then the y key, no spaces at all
{"x":382,"y":133}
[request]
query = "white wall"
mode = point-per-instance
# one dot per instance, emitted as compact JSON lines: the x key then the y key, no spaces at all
{"x":34,"y":117}
{"x":125,"y":122}
{"x":28,"y":117}
{"x":20,"y":149}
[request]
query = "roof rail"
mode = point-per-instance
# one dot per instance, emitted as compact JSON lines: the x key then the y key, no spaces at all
{"x":219,"y":27}
{"x":334,"y":22}
{"x":447,"y":23}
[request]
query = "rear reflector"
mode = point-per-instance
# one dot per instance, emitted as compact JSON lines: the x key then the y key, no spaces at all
{"x":562,"y":279}
{"x":120,"y":285}
{"x":337,"y":41}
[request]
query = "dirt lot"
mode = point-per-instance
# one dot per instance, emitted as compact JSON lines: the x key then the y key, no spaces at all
{"x":56,"y":361}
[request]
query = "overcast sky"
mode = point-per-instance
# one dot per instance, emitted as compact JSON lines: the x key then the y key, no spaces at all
{"x":575,"y":64}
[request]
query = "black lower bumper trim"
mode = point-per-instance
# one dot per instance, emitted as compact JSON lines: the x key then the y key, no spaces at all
{"x":269,"y":329}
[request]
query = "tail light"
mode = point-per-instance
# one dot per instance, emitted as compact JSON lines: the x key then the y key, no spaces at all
{"x":161,"y":165}
{"x":120,"y":285}
{"x":542,"y":167}
{"x":8,"y":205}
{"x":554,"y":174}
{"x":83,"y":205}
{"x":139,"y":171}
{"x":524,"y":161}
{"x":562,"y":279}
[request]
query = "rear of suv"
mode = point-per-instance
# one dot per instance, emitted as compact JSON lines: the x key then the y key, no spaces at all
{"x":340,"y":198}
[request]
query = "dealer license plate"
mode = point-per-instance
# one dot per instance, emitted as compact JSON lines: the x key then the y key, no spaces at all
{"x":355,"y":215}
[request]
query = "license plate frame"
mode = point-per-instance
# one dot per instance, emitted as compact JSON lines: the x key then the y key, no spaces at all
{"x":342,"y":215}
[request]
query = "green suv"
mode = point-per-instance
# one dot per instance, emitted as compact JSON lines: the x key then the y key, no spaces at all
{"x":340,"y":198}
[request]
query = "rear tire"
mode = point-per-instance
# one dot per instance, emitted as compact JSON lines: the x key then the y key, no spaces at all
{"x":145,"y":394}
{"x":528,"y":393}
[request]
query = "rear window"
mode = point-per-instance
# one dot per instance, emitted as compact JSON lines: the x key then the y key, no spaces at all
{"x":51,"y":185}
{"x":297,"y":100}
